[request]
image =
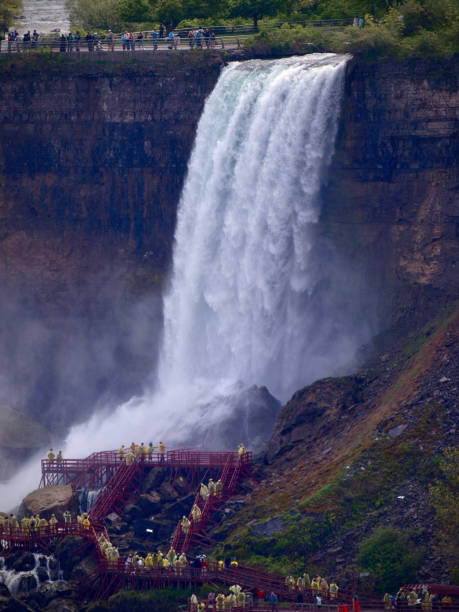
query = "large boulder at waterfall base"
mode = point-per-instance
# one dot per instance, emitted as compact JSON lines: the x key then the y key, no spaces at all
{"x":49,"y":500}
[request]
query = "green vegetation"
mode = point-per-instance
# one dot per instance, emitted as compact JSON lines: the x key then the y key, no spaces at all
{"x":445,"y":500}
{"x":415,"y":28}
{"x":9,"y":9}
{"x":394,"y":29}
{"x":391,"y":556}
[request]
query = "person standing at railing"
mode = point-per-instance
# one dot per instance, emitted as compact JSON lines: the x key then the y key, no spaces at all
{"x":139,"y":40}
{"x":90,"y":42}
{"x":110,"y":40}
{"x":207,"y":37}
{"x":161,"y":451}
{"x":150,"y":451}
{"x":50,"y":455}
{"x":62,"y":43}
{"x":35,"y":37}
{"x":70,"y":39}
{"x":26,"y":40}
{"x":212,"y":39}
{"x":171,"y":39}
{"x":191,"y":35}
{"x":154,"y":38}
{"x":77,"y":41}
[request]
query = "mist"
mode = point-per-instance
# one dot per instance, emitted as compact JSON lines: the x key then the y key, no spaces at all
{"x":258,"y":298}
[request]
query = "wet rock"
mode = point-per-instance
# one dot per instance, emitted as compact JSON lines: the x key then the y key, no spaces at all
{"x":133,"y":512}
{"x":269,"y":528}
{"x":251,"y":416}
{"x":27,"y":583}
{"x":167,"y":492}
{"x":182,"y":506}
{"x":396,"y":431}
{"x":70,"y":551}
{"x":112,"y":518}
{"x":42,"y":574}
{"x":25,"y":563}
{"x":49,"y":500}
{"x":62,"y":605}
{"x":15,"y":605}
{"x":150,"y":503}
{"x":153,"y":480}
{"x":85,"y":568}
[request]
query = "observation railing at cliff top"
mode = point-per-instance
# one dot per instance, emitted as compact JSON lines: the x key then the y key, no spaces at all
{"x":224,"y":37}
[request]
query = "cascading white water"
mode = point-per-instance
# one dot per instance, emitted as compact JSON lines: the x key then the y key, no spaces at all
{"x":237,"y":307}
{"x":239,"y":310}
{"x":254,"y":299}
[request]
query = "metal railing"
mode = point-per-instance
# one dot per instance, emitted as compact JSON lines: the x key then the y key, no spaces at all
{"x":219,"y":37}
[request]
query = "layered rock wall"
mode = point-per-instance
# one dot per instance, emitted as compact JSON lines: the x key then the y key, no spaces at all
{"x":392,"y":203}
{"x":93,"y":157}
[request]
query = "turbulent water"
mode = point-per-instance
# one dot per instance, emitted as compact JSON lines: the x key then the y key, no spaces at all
{"x":44,"y":16}
{"x":238,"y":306}
{"x":246,"y":303}
{"x":253,"y":298}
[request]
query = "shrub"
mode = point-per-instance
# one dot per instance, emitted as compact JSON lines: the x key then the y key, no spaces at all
{"x":391,"y":556}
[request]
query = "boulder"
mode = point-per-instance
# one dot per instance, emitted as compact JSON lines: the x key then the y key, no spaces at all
{"x":85,"y":568}
{"x":49,"y":500}
{"x":42,"y":574}
{"x":69,"y":553}
{"x":25,"y":563}
{"x":153,"y":479}
{"x":167,"y":492}
{"x":62,"y":605}
{"x":15,"y":605}
{"x":27,"y":583}
{"x":150,"y":503}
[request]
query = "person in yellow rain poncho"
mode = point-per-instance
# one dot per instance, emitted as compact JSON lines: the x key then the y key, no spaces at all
{"x":290,"y":583}
{"x":315,"y":586}
{"x":53,"y":523}
{"x":220,"y":602}
{"x":171,"y":556}
{"x":121,"y":452}
{"x":196,"y":513}
{"x":334,"y":588}
{"x":185,"y":524}
{"x":194,"y":603}
{"x":219,"y":488}
{"x":204,"y":491}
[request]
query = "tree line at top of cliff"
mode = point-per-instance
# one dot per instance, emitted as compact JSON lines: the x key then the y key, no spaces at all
{"x":393,"y":28}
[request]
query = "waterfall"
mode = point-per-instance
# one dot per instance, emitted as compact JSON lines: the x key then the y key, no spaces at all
{"x":242,"y":276}
{"x":252,"y":299}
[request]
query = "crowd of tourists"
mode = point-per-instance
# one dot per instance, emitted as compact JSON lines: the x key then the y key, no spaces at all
{"x":36,"y":525}
{"x":127,"y":41}
{"x":416,"y":596}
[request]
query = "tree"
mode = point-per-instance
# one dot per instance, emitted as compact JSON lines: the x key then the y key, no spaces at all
{"x":9,"y":9}
{"x":256,"y":9}
{"x":90,"y":15}
{"x":134,"y":11}
{"x":172,"y":12}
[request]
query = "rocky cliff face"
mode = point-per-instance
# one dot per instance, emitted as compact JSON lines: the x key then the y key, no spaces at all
{"x":93,"y":157}
{"x":391,"y":205}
